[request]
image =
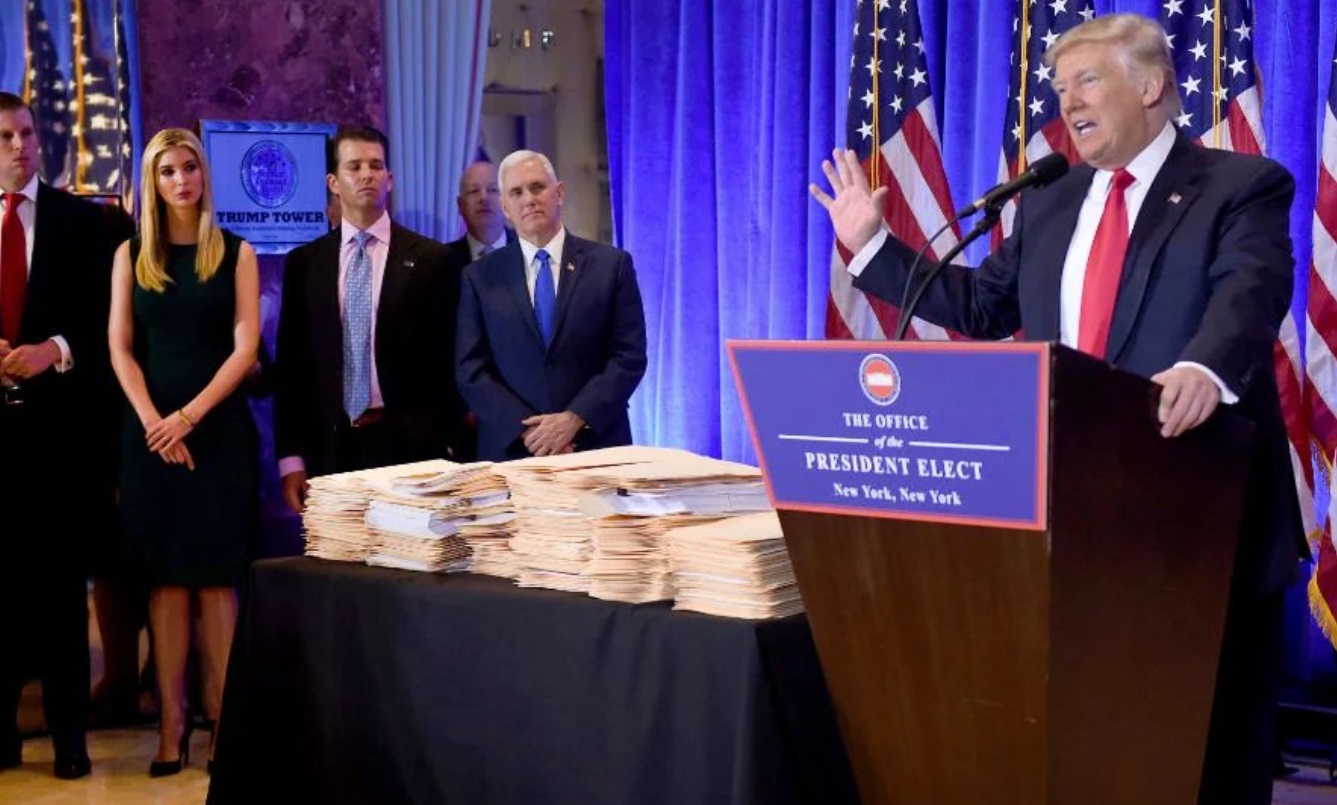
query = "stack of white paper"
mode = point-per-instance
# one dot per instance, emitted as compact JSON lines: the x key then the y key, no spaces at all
{"x":553,"y":540}
{"x":414,"y":538}
{"x":630,"y":561}
{"x":637,"y":505}
{"x":489,"y":541}
{"x":418,"y":519}
{"x":673,"y":483}
{"x":334,"y":521}
{"x":736,"y":567}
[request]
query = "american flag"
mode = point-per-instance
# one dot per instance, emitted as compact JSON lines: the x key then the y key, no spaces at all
{"x":1212,"y":42}
{"x":81,"y":107}
{"x":1032,"y":107}
{"x":1218,"y":83}
{"x":47,"y":90}
{"x":893,"y":128}
{"x":125,"y":181}
{"x":98,"y":100}
{"x":1320,"y":347}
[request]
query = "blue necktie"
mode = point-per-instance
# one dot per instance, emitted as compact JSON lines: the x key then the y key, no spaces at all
{"x":545,"y":297}
{"x":357,"y":329}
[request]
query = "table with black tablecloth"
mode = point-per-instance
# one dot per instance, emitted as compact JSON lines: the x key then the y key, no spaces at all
{"x":351,"y":684}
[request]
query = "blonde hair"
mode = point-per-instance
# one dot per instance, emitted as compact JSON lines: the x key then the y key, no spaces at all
{"x":151,"y":265}
{"x":1143,"y":46}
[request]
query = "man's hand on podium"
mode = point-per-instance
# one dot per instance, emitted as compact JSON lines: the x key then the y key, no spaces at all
{"x":1188,"y":397}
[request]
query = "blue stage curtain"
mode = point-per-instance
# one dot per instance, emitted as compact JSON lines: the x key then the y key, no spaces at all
{"x":719,"y":114}
{"x":11,"y":47}
{"x":434,"y":57}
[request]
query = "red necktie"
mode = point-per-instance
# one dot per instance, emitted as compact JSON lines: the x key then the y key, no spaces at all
{"x":1103,"y":269}
{"x":13,"y":269}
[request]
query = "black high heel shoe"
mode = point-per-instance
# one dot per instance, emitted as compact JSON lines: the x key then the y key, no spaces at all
{"x":166,"y":768}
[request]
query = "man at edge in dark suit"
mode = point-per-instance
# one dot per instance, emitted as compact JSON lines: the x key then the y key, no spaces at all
{"x":366,"y":332}
{"x":1170,"y":261}
{"x":551,"y":340}
{"x":485,"y":231}
{"x":58,"y":412}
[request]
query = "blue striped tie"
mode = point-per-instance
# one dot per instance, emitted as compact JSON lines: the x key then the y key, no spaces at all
{"x":545,"y":297}
{"x":357,"y":330}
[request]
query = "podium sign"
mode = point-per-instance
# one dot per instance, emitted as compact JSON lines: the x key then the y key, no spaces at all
{"x":954,"y":433}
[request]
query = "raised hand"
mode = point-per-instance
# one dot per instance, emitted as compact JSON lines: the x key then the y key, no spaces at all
{"x":856,"y":212}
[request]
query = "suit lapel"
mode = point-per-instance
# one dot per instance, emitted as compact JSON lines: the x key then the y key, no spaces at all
{"x":571,"y":272}
{"x":514,"y":279}
{"x":400,"y":264}
{"x":1054,"y":227}
{"x":325,"y":289}
{"x":44,"y":267}
{"x":1171,"y":194}
{"x":43,"y":236}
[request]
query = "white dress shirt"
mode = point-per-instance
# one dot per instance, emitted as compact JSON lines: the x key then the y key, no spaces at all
{"x":1144,"y":167}
{"x":28,"y":217}
{"x":476,"y":246}
{"x":554,"y":249}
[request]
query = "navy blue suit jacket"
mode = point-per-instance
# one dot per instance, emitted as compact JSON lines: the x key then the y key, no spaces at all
{"x":1207,"y":278}
{"x":594,"y":363}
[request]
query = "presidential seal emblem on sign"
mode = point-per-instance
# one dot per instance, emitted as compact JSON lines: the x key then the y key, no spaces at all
{"x":880,"y":379}
{"x":269,"y":173}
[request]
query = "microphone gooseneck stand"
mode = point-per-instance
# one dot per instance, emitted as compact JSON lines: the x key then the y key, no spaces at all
{"x":991,"y":215}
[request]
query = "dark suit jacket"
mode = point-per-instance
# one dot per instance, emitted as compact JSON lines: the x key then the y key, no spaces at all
{"x":458,"y":255}
{"x":72,"y":417}
{"x":414,"y":345}
{"x":595,"y":361}
{"x":1207,"y":278}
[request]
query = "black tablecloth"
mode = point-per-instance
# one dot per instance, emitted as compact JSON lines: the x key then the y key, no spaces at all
{"x":365,"y":685}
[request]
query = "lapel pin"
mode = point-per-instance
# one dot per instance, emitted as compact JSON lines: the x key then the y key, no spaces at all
{"x":1175,"y":198}
{"x":408,"y":264}
{"x":570,"y":266}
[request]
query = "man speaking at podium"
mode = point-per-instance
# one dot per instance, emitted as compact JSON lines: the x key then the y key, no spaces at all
{"x":1170,"y":261}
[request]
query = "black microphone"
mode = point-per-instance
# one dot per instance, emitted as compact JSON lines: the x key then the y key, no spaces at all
{"x":1040,"y":173}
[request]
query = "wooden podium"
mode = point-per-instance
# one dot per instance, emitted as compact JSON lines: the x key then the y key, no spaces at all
{"x":1072,"y":664}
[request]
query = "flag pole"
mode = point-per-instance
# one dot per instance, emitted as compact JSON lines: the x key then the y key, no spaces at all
{"x":1024,"y":60}
{"x":81,"y":156}
{"x":1216,"y":76}
{"x":874,"y":174}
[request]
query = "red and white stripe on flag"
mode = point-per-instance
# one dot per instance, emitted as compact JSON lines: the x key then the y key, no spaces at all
{"x":1212,"y":44}
{"x":1321,"y":360}
{"x":893,"y":128}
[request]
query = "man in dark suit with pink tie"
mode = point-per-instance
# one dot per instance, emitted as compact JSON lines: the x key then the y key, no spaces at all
{"x":366,"y":327}
{"x":1170,"y":261}
{"x":551,"y":339}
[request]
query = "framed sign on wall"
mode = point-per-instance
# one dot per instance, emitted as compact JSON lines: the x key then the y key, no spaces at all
{"x":269,"y":180}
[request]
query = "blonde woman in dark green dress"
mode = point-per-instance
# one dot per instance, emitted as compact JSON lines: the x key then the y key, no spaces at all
{"x":185,"y":324}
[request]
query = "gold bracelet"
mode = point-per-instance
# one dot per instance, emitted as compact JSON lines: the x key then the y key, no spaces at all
{"x":184,"y":418}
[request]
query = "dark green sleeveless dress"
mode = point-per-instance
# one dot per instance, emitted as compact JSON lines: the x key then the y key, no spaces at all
{"x":182,"y":527}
